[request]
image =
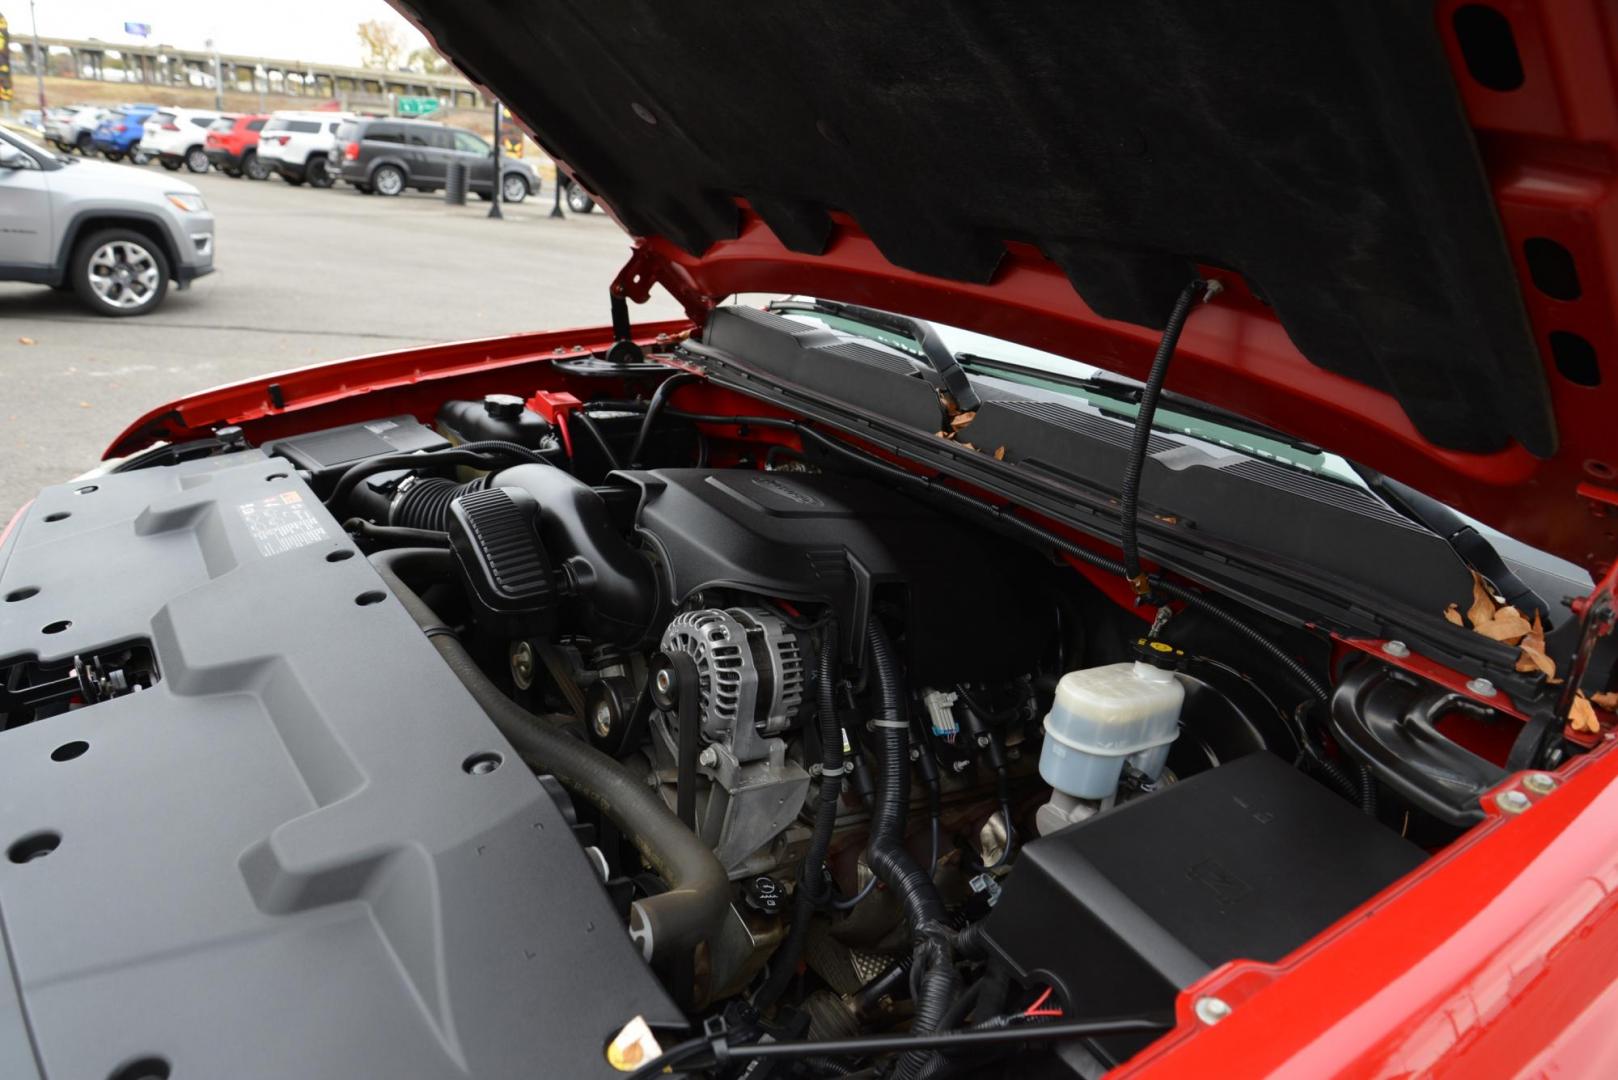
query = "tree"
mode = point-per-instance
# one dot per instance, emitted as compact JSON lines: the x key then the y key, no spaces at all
{"x":380,"y":45}
{"x":428,"y":62}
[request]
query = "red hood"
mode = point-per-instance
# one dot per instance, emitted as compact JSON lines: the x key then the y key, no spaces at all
{"x":1408,"y":207}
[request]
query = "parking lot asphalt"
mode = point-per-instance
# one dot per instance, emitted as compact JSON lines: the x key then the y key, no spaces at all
{"x":303,"y":276}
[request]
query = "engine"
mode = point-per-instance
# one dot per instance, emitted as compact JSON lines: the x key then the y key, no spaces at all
{"x":845,"y":751}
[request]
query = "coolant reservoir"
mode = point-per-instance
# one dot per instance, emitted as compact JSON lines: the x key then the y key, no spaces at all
{"x":1105,"y":716}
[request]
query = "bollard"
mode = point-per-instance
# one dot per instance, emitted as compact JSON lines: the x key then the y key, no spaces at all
{"x":455,"y":184}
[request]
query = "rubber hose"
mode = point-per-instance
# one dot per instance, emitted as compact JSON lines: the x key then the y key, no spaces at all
{"x":811,"y":890}
{"x":396,"y":535}
{"x":1335,"y":775}
{"x":697,"y":903}
{"x":1367,"y":789}
{"x":936,"y":980}
{"x":477,"y":454}
{"x":1143,"y":423}
{"x":660,"y":397}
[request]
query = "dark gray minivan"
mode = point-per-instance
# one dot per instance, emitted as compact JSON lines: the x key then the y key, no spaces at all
{"x":387,"y":156}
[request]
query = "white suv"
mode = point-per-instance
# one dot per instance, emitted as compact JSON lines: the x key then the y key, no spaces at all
{"x":70,"y":128}
{"x":175,"y":137}
{"x":300,"y":145}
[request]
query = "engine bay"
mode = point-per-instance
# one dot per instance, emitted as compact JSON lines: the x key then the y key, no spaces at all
{"x":576,"y":726}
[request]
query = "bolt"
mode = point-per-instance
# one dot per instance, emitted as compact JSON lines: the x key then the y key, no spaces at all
{"x":522,"y":664}
{"x":915,"y":753}
{"x":1396,"y":649}
{"x":983,"y":741}
{"x":708,"y":758}
{"x":665,"y":680}
{"x":816,"y":768}
{"x":1481,"y":687}
{"x":483,"y":766}
{"x":602,"y":718}
{"x":960,"y":765}
{"x":1539,"y":783}
{"x":1211,"y":1010}
{"x":1512,"y":802}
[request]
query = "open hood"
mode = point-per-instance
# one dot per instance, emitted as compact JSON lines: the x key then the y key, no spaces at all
{"x":1407,"y":203}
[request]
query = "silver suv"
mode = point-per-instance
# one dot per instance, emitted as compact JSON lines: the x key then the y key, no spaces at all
{"x":115,"y":236}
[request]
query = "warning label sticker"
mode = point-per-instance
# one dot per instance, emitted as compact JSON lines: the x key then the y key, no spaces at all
{"x":280,"y":523}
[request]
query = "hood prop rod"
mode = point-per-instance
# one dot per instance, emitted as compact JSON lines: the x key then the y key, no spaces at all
{"x":1138,"y":580}
{"x":623,"y":349}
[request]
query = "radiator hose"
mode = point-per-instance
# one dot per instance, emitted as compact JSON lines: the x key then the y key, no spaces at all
{"x":671,"y":924}
{"x":934,"y":977}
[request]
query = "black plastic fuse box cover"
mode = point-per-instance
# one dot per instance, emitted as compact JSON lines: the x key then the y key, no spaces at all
{"x":1248,"y":860}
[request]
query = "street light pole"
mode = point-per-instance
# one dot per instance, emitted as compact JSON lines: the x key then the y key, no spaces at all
{"x":494,"y":196}
{"x":39,"y":57}
{"x":218,"y":85}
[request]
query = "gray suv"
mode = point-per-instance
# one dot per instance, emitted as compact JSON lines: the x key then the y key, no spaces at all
{"x":388,"y":156}
{"x":116,"y":236}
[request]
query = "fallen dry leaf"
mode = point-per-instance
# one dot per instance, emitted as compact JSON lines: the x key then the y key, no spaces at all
{"x":1453,"y":614}
{"x":1608,"y":700}
{"x":969,"y":446}
{"x":1000,"y":454}
{"x":1533,"y":656}
{"x":945,"y":434}
{"x":961,"y":419}
{"x":1582,"y":717}
{"x":1508,"y":628}
{"x":1483,"y":605}
{"x":26,"y":341}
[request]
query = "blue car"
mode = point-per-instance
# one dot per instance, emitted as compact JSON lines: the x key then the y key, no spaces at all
{"x":119,"y":132}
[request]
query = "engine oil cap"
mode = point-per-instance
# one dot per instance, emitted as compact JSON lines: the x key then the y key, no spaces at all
{"x":1158,"y":653}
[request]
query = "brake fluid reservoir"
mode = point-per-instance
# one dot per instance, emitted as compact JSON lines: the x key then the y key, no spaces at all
{"x":1106,"y":716}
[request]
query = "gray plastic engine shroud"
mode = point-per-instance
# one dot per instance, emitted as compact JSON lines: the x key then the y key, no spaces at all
{"x":273,"y":862}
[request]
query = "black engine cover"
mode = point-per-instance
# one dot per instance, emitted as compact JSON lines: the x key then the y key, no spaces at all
{"x":976,"y":606}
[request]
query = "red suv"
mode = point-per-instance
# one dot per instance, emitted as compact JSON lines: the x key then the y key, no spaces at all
{"x":232,"y":146}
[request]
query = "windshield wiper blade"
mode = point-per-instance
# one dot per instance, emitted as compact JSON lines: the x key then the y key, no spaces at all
{"x":933,"y":350}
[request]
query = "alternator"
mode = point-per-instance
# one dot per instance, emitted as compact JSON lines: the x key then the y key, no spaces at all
{"x":751,"y":668}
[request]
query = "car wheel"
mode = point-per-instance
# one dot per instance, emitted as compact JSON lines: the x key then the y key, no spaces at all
{"x":139,"y":157}
{"x":388,"y":180}
{"x":114,"y":155}
{"x":254,"y":168}
{"x":85,"y":144}
{"x":196,"y":159}
{"x":119,"y":272}
{"x":514,"y":188}
{"x":171,"y":164}
{"x":317,"y":173}
{"x":578,"y":200}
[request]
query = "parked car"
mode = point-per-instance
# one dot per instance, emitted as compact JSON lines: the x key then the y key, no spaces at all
{"x":573,"y":194}
{"x":118,"y":134}
{"x":115,"y":236}
{"x":1148,"y":609}
{"x":301,"y":147}
{"x":73,"y":127}
{"x":178,"y":137}
{"x":232,"y":145}
{"x":388,"y":156}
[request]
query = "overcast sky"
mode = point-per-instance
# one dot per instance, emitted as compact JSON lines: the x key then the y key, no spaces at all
{"x":319,"y":30}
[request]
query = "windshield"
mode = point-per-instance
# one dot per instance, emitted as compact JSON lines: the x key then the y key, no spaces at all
{"x":983,"y":356}
{"x":993,"y":357}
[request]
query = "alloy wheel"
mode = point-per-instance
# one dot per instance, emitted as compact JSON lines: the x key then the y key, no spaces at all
{"x":123,"y":274}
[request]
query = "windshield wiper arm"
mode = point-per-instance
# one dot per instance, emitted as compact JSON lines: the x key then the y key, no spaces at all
{"x":933,"y":349}
{"x":1472,"y":546}
{"x":1128,"y":390}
